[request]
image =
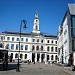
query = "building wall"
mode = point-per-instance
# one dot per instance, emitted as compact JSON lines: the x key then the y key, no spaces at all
{"x":66,"y":38}
{"x":47,"y":42}
{"x":63,"y":41}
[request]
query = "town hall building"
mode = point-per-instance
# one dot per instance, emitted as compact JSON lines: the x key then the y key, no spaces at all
{"x":34,"y":46}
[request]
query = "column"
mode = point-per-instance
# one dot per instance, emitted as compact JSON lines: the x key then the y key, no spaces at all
{"x":40,"y":56}
{"x":23,"y":57}
{"x":31,"y":56}
{"x":50,"y":57}
{"x":35,"y":57}
{"x":14,"y":55}
{"x":45,"y":59}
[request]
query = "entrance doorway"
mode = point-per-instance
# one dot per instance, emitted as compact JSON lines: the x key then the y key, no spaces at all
{"x":33,"y":57}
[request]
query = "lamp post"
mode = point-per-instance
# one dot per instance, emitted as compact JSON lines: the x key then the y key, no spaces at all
{"x":24,"y":22}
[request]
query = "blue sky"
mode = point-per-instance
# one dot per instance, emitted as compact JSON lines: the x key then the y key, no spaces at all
{"x":51,"y":13}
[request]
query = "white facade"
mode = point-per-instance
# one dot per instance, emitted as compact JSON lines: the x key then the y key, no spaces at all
{"x":34,"y":46}
{"x":63,"y":42}
{"x":66,"y":36}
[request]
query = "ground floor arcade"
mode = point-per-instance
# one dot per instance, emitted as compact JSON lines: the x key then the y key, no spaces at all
{"x":33,"y":56}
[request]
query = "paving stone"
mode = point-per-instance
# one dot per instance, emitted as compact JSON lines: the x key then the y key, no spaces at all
{"x":37,"y":69}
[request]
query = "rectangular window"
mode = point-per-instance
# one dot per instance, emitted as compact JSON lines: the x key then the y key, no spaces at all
{"x":12,"y":46}
{"x":73,"y":45}
{"x":26,"y":39}
{"x":73,"y":26}
{"x":12,"y":38}
{"x":37,"y":40}
{"x":22,"y":39}
{"x":33,"y":40}
{"x":8,"y":38}
{"x":2,"y":38}
{"x":65,"y":32}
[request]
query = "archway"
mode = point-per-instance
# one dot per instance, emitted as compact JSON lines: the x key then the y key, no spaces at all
{"x":38,"y":56}
{"x":42,"y":57}
{"x":47,"y":57}
{"x":33,"y":57}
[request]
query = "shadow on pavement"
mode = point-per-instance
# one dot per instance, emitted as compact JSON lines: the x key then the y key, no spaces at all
{"x":11,"y":66}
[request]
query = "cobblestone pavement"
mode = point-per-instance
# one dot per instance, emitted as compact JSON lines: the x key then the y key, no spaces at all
{"x":36,"y":69}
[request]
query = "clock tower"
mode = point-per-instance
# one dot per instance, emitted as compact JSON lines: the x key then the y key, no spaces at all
{"x":36,"y":28}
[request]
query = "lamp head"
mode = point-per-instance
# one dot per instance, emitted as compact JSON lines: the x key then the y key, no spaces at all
{"x":25,"y":22}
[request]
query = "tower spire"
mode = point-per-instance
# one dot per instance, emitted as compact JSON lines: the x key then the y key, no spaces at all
{"x":36,"y":28}
{"x":36,"y":14}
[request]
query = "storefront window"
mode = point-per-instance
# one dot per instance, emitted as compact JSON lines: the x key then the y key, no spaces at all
{"x":73,"y":26}
{"x":73,"y":45}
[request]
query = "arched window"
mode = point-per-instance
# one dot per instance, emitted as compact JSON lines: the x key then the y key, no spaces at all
{"x":41,"y":41}
{"x":52,"y":49}
{"x":25,"y":56}
{"x":48,"y":48}
{"x":56,"y":57}
{"x":12,"y":46}
{"x":21,"y":55}
{"x":55,"y":42}
{"x":33,"y":47}
{"x":26,"y":47}
{"x":16,"y":55}
{"x":37,"y":47}
{"x":17,"y":46}
{"x":21,"y":47}
{"x":41,"y":47}
{"x":11,"y":55}
{"x":55,"y":49}
{"x":52,"y":57}
{"x":7,"y":46}
{"x":52,"y":41}
{"x":26,"y":39}
{"x":47,"y":41}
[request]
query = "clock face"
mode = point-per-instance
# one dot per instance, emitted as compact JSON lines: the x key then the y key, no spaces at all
{"x":36,"y":21}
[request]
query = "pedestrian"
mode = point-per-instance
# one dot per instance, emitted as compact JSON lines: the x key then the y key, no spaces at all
{"x":34,"y":61}
{"x":28,"y":61}
{"x":51,"y":63}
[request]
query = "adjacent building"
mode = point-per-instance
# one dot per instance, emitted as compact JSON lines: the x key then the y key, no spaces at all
{"x":35,"y":46}
{"x":66,"y":37}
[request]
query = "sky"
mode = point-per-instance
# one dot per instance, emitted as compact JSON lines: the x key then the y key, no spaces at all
{"x":51,"y":13}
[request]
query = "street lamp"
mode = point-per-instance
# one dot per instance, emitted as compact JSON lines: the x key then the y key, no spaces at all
{"x":24,"y":22}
